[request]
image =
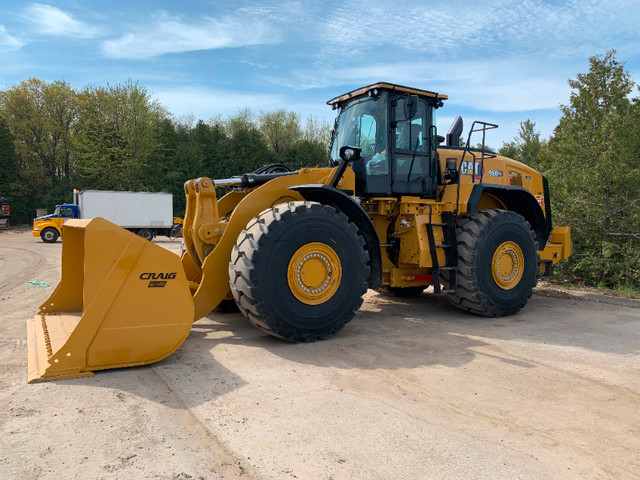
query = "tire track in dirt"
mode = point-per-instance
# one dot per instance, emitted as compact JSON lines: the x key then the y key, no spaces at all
{"x":18,"y":265}
{"x":227,"y":464}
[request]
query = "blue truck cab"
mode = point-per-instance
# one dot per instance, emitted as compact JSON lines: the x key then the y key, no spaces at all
{"x":49,"y":227}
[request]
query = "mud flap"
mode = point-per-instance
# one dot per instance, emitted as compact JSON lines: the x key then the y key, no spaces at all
{"x":122,"y":301}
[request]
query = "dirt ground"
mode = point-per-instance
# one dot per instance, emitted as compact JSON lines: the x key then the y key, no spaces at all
{"x":411,"y":388}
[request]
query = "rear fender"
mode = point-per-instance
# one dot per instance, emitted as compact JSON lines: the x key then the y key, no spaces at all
{"x":516,"y":199}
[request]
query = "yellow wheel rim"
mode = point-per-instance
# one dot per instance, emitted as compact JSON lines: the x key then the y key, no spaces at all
{"x":314,"y":273}
{"x":507,"y":265}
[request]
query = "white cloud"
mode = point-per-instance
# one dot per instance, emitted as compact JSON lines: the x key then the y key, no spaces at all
{"x":171,"y":35}
{"x":491,"y":28}
{"x":50,"y":20}
{"x":498,"y":86}
{"x":8,"y":42}
{"x":204,"y":102}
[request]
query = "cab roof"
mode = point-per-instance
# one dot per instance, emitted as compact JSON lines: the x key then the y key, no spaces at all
{"x":334,"y":102}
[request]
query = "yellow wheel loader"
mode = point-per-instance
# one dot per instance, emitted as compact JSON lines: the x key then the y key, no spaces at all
{"x":398,"y":209}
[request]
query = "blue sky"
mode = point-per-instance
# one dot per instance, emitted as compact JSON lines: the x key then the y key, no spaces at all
{"x":500,"y":61}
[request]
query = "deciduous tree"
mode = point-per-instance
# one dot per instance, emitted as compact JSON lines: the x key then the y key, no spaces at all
{"x":118,"y":136}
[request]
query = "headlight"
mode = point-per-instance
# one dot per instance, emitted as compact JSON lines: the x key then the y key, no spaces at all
{"x":35,"y":229}
{"x":350,"y":154}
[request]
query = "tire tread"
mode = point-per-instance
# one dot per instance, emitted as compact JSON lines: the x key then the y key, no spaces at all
{"x":471,"y":230}
{"x":246,"y":260}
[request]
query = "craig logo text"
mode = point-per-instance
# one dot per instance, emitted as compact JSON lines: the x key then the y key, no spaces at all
{"x":158,"y":276}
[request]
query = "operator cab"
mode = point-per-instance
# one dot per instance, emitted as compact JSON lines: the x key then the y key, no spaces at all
{"x":394,"y":126}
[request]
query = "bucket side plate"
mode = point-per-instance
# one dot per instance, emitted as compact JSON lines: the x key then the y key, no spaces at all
{"x":122,"y":301}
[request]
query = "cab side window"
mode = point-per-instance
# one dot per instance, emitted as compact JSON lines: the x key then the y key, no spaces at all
{"x":410,"y":134}
{"x":411,"y":141}
{"x":412,"y":173}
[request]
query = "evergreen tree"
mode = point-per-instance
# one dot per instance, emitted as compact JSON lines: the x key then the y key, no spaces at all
{"x":594,"y":171}
{"x":526,"y":146}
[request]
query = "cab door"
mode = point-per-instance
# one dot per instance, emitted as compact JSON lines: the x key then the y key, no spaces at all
{"x":413,"y":169}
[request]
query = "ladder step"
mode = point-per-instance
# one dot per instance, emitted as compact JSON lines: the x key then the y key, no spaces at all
{"x":443,"y":246}
{"x":447,"y":268}
{"x":447,"y":291}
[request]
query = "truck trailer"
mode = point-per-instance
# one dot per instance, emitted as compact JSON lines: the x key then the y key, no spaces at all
{"x":144,"y":213}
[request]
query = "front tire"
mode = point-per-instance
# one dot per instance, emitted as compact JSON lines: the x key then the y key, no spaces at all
{"x":498,"y":263}
{"x":299,"y":271}
{"x":49,"y":235}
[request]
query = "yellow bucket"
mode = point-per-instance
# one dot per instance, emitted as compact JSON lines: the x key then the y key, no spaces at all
{"x":122,"y":301}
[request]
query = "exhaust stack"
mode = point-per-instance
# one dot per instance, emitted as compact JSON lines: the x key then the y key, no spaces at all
{"x":454,"y":133}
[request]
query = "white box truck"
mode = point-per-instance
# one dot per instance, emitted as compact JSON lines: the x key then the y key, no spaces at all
{"x":144,"y":213}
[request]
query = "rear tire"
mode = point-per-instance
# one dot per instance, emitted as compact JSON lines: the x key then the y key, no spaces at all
{"x":498,"y":263}
{"x":146,"y":233}
{"x":49,"y":235}
{"x":299,"y":271}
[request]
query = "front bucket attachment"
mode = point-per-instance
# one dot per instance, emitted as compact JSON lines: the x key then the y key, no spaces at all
{"x":122,"y":301}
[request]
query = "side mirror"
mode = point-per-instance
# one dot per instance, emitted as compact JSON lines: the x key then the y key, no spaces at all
{"x":347,"y":155}
{"x":410,"y":106}
{"x":350,"y":154}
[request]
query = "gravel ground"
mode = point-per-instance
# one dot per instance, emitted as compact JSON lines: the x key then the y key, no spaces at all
{"x":412,"y":388}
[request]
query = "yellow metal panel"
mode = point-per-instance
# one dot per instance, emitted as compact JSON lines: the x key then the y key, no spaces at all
{"x":121,"y":301}
{"x":409,"y":277}
{"x":40,"y":225}
{"x":498,"y":170}
{"x":559,"y":245}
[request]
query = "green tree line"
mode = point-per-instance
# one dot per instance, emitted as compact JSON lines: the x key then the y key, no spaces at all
{"x":592,"y":161}
{"x":54,"y":138}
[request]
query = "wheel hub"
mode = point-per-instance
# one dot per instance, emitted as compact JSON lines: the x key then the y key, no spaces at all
{"x":314,"y":273}
{"x":507,"y":265}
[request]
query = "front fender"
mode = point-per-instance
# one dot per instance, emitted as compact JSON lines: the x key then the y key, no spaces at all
{"x":40,"y":225}
{"x":214,"y":285}
{"x":346,"y":204}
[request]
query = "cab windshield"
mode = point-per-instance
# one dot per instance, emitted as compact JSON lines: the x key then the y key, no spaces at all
{"x":363,"y":123}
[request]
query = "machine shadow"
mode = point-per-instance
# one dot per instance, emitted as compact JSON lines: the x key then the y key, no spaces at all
{"x":386,"y":333}
{"x":391,"y":333}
